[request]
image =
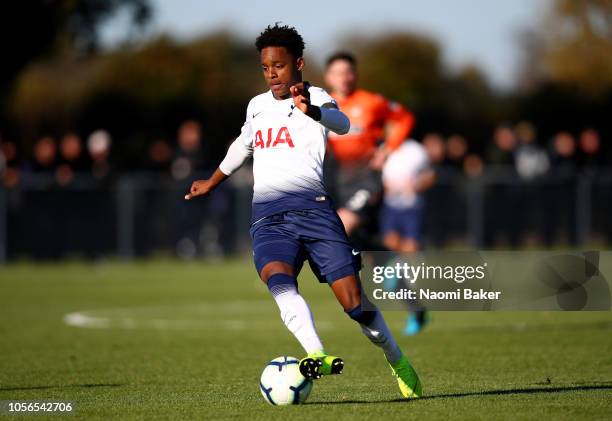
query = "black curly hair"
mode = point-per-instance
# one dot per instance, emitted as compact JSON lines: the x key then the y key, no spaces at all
{"x":281,"y":36}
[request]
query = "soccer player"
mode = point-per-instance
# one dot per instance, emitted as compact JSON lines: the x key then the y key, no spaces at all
{"x":406,"y":175}
{"x":358,"y":155}
{"x":293,"y":219}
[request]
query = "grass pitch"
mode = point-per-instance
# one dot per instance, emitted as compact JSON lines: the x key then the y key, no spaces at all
{"x":163,"y":339}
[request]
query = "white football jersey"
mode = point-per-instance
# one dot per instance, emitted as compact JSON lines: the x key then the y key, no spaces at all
{"x":288,"y":150}
{"x":400,"y":169}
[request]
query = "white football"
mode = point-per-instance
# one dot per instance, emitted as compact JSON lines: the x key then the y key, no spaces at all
{"x":281,"y":382}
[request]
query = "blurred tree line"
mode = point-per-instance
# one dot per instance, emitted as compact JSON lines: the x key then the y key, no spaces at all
{"x":55,"y":78}
{"x":40,"y":29}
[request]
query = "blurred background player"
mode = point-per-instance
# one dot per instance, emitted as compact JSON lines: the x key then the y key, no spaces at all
{"x":378,"y":127}
{"x":406,"y":175}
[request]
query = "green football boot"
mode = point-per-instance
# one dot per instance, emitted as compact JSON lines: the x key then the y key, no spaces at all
{"x":407,"y":378}
{"x":314,"y":365}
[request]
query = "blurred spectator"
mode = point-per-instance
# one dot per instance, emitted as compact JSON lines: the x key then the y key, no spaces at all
{"x":434,"y":145}
{"x":590,"y":150}
{"x":10,"y":164}
{"x":560,"y":209}
{"x":99,"y":201}
{"x":591,"y":161}
{"x":45,"y":155}
{"x":531,"y":160}
{"x":456,"y":150}
{"x":98,"y":146}
{"x":71,"y":159}
{"x":441,"y":196}
{"x":188,"y":157}
{"x":473,"y":165}
{"x":153,"y":217}
{"x":44,"y":225}
{"x":563,"y":154}
{"x":501,"y":222}
{"x":194,"y":224}
{"x":72,"y":229}
{"x":501,"y":151}
{"x":160,"y":156}
{"x":531,"y":163}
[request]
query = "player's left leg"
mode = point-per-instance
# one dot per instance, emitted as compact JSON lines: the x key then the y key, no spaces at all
{"x":348,"y":292}
{"x":294,"y":311}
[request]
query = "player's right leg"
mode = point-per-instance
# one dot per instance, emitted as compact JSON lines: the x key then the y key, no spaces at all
{"x":298,"y":318}
{"x":316,"y":364}
{"x":278,"y":259}
{"x":294,"y":311}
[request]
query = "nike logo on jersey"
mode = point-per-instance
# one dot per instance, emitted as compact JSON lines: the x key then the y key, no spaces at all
{"x":282,"y":138}
{"x":256,"y":114}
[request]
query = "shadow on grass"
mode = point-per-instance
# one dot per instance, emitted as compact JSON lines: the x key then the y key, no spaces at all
{"x":60,"y":386}
{"x":498,"y":392}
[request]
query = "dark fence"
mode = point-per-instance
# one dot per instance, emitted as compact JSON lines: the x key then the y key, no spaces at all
{"x":143,"y":214}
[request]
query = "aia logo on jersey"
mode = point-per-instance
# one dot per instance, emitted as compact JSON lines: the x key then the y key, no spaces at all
{"x":273,"y":140}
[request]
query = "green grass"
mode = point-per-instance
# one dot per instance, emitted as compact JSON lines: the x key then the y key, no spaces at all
{"x":189,"y":340}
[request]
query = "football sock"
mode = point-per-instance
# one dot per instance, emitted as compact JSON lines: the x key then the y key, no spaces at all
{"x":374,"y":327}
{"x":295,"y":312}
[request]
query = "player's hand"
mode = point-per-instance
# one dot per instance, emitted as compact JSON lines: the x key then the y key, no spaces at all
{"x":301,"y":96}
{"x":199,"y":188}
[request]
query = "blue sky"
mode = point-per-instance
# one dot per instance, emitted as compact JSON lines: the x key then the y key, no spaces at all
{"x":484,"y":32}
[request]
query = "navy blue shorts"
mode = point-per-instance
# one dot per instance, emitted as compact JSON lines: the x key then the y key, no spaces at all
{"x":405,"y":222}
{"x":316,"y":235}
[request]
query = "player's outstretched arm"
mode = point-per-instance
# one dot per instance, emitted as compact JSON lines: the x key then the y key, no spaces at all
{"x":327,"y":114}
{"x":239,"y":151}
{"x":203,"y":187}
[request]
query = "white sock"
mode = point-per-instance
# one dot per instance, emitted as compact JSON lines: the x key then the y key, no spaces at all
{"x":380,"y":335}
{"x":297,"y":317}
